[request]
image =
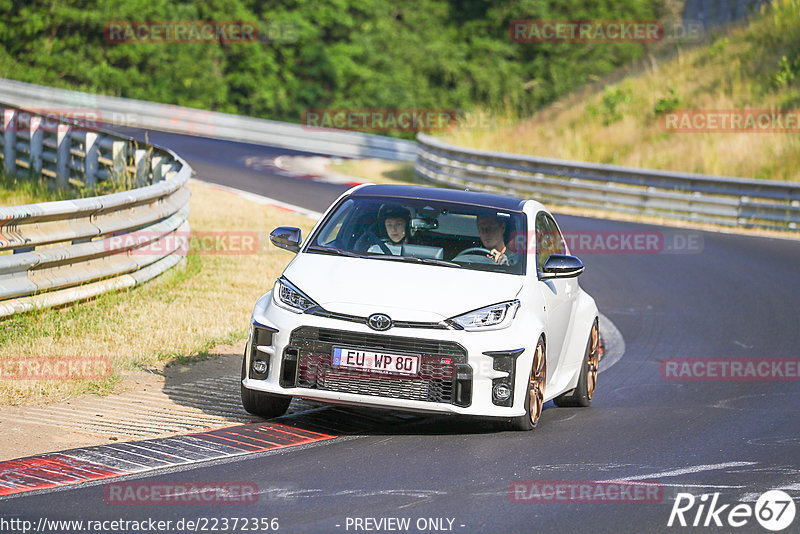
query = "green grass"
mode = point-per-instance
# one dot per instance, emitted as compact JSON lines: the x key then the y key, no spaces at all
{"x":16,"y":191}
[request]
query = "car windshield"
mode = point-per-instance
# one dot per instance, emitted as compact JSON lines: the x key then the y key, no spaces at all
{"x":425,"y":231}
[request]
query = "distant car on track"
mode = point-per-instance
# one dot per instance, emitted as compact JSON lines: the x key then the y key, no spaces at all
{"x":426,"y":300}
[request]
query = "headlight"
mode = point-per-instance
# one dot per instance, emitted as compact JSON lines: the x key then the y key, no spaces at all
{"x":286,"y":295}
{"x":489,"y":318}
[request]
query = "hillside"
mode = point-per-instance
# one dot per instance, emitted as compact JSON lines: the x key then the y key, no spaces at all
{"x":755,"y":67}
{"x":449,"y":54}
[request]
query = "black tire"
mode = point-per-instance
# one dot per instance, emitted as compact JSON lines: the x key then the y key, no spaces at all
{"x":262,"y":404}
{"x":581,"y":396}
{"x":534,"y":396}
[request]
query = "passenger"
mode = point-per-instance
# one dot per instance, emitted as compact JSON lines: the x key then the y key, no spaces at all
{"x":394,"y":221}
{"x":492,"y":230}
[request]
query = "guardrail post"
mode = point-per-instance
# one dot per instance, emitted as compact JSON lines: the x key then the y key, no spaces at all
{"x":142,"y":166}
{"x":63,"y":141}
{"x":90,"y":165}
{"x":10,"y":140}
{"x":119,"y":154}
{"x":157,"y":163}
{"x":37,"y":135}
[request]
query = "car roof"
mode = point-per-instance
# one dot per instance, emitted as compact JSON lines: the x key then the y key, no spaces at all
{"x":487,"y":200}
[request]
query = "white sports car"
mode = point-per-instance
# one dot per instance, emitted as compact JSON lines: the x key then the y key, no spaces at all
{"x":426,"y":300}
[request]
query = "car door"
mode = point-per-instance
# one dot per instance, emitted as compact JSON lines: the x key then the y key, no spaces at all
{"x":558,"y":294}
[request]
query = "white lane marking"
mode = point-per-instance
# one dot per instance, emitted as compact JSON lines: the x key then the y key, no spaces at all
{"x":580,"y":467}
{"x":723,"y":403}
{"x":615,"y":345}
{"x":573,"y":416}
{"x":647,"y":310}
{"x":752,"y":497}
{"x":260,"y":199}
{"x":682,"y":471}
{"x":289,"y":493}
{"x":743,"y":345}
{"x":703,"y":486}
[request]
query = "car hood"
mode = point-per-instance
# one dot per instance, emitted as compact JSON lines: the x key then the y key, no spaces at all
{"x":404,"y":291}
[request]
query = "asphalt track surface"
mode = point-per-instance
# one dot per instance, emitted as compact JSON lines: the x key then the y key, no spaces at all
{"x":731,"y":297}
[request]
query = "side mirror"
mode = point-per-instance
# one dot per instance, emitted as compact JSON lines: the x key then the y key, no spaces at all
{"x":286,"y":237}
{"x":561,"y":266}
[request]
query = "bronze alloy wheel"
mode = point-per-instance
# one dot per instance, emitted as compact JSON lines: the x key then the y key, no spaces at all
{"x":536,"y":385}
{"x":593,"y":360}
{"x":534,"y":393}
{"x":581,"y":394}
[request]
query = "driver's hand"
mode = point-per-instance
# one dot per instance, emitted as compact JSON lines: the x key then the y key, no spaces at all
{"x":498,"y":257}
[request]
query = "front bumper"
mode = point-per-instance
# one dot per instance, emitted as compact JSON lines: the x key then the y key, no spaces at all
{"x":458,"y":369}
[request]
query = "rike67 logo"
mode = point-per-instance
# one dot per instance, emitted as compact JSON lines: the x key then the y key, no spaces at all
{"x":774,"y":510}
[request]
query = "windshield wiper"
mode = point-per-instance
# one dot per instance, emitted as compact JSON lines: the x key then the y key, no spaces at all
{"x":335,"y":251}
{"x":414,"y":259}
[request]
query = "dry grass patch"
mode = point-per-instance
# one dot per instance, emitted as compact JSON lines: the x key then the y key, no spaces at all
{"x":755,"y":67}
{"x":178,"y":316}
{"x":377,"y":171}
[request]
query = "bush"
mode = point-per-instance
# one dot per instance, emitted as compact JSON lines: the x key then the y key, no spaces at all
{"x":666,"y":104}
{"x":788,"y":71}
{"x":613,"y":101}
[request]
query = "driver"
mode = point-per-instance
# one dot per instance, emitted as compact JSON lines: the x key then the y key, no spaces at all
{"x":394,"y":220}
{"x":492,"y":231}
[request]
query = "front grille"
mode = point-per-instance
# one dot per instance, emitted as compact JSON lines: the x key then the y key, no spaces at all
{"x":435,"y":382}
{"x":321,"y":312}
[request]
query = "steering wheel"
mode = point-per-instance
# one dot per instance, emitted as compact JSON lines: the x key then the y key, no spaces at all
{"x":476,"y":251}
{"x":368,"y":239}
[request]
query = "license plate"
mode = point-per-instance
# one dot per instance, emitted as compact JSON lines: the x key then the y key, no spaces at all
{"x":377,"y":362}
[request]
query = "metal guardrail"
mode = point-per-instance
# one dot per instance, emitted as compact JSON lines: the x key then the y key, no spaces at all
{"x":169,"y":118}
{"x":702,"y":198}
{"x":52,"y":253}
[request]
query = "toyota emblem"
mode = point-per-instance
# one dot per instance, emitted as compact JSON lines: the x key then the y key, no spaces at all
{"x":379,"y":321}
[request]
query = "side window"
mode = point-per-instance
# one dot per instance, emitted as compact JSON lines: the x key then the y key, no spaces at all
{"x":559,"y":246}
{"x":548,"y":239}
{"x":335,"y":224}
